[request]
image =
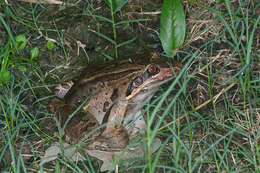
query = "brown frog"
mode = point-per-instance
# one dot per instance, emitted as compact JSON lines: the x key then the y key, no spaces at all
{"x":112,"y":94}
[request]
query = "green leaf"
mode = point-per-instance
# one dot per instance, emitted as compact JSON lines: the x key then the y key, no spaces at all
{"x":116,"y":4}
{"x":34,"y":52}
{"x":172,"y":31}
{"x":20,"y":41}
{"x":5,"y":76}
{"x":50,"y":45}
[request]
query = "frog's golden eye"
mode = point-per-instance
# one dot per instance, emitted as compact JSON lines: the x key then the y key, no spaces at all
{"x":153,"y":69}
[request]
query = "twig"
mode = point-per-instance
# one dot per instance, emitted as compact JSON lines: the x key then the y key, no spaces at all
{"x":56,"y":2}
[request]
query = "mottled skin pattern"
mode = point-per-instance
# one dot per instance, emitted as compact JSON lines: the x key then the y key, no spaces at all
{"x":104,"y":92}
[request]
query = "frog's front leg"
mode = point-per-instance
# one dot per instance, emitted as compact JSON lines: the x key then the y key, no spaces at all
{"x":115,"y":132}
{"x":115,"y":116}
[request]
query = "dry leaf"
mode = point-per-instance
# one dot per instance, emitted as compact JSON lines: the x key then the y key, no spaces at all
{"x":110,"y":159}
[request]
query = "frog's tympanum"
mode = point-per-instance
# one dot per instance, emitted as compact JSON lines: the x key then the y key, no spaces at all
{"x":108,"y":97}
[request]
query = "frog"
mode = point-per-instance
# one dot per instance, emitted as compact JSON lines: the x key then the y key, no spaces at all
{"x":107,"y":97}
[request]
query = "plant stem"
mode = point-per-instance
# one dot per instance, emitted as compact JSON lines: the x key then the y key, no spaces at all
{"x":114,"y":28}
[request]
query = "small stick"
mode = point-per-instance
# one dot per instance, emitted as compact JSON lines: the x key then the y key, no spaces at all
{"x":56,"y":2}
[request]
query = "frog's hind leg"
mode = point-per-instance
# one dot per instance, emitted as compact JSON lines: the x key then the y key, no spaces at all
{"x":117,"y":139}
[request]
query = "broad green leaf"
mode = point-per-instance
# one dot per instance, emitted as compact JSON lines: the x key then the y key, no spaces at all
{"x":34,"y":52}
{"x":116,"y":4}
{"x":20,"y":41}
{"x":172,"y":31}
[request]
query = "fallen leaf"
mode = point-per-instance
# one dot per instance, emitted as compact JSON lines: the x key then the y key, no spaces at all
{"x":110,"y":159}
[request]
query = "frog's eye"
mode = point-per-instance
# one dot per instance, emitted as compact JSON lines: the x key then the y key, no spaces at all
{"x":153,"y":69}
